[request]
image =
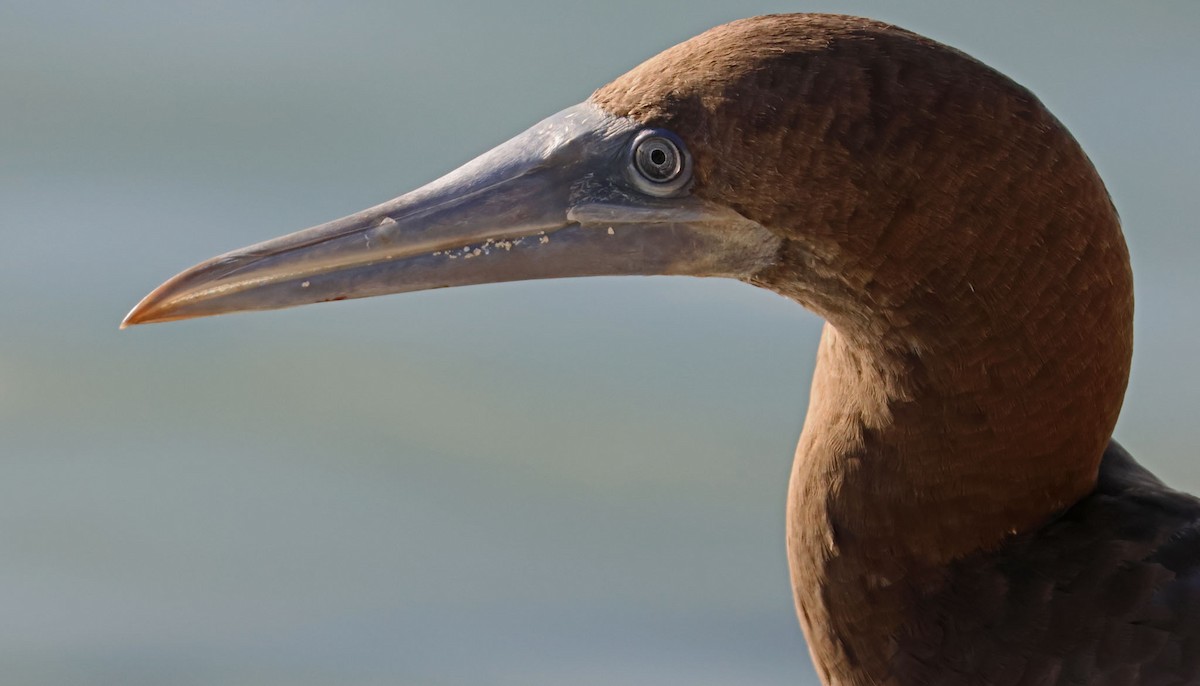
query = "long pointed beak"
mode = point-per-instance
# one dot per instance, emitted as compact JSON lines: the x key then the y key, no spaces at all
{"x":555,"y":201}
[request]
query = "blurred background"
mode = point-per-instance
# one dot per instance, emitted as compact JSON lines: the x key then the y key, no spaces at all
{"x":559,"y":482}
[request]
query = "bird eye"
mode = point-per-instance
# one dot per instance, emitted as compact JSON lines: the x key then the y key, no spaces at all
{"x":660,"y":163}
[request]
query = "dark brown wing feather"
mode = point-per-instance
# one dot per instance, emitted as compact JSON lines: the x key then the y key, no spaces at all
{"x":1107,"y":593}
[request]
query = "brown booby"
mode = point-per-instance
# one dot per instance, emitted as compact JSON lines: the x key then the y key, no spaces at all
{"x":958,"y":512}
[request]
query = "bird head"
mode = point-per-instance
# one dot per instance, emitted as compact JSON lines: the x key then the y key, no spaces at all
{"x":856,"y":167}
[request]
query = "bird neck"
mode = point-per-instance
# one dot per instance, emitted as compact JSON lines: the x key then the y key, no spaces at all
{"x":951,"y":411}
{"x":972,"y":272}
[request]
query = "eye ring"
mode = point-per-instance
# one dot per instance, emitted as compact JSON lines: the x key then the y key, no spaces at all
{"x":659,"y":163}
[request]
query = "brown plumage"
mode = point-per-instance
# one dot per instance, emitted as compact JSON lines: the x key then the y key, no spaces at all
{"x":979,"y":297}
{"x":957,"y":512}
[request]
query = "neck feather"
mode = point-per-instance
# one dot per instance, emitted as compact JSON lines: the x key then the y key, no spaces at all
{"x":953,"y":405}
{"x":971,"y":268}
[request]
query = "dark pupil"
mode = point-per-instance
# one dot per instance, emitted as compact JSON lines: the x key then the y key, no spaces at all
{"x":657,"y":160}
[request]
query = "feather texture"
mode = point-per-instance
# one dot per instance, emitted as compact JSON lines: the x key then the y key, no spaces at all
{"x":949,"y":519}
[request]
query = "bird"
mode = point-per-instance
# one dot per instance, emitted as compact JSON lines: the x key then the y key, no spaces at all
{"x":958,"y":511}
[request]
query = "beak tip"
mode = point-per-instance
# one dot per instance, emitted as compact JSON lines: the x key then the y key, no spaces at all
{"x":131,"y":319}
{"x":142,"y":313}
{"x":161,"y":304}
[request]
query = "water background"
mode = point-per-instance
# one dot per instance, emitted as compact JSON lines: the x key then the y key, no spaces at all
{"x":560,"y":482}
